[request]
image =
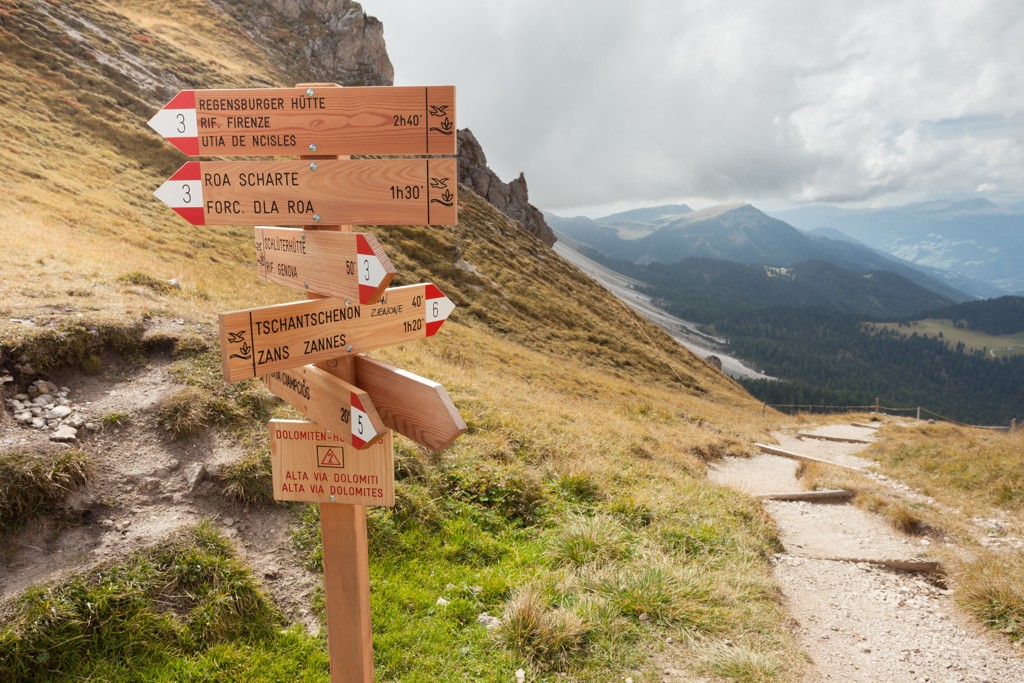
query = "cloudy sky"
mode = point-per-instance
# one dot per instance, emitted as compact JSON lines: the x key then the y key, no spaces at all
{"x":608,"y":106}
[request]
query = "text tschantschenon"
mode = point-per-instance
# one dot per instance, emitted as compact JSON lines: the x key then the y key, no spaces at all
{"x":258,"y":341}
{"x":293,"y":121}
{"x":327,"y":191}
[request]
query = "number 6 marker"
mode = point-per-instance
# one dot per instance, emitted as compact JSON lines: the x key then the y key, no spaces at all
{"x":439,"y":307}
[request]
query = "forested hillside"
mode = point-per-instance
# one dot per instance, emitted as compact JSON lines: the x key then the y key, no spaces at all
{"x":1004,"y":315}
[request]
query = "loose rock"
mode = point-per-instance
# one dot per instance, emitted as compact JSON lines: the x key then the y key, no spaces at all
{"x":58,"y":413}
{"x":196,"y":475}
{"x":64,"y":434}
{"x":491,"y":622}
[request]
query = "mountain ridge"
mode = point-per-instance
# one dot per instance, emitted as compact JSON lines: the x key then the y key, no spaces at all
{"x":741,"y":233}
{"x":975,"y":238}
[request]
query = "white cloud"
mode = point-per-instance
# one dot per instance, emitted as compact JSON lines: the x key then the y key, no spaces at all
{"x":655,"y":100}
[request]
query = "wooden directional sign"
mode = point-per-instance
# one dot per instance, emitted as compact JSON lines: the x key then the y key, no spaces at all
{"x":258,"y":341}
{"x":333,"y":403}
{"x":409,"y":404}
{"x":312,"y":465}
{"x":347,"y":265}
{"x":327,"y":191}
{"x":319,"y":120}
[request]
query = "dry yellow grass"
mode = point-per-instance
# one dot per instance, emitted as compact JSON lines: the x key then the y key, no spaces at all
{"x":976,"y":470}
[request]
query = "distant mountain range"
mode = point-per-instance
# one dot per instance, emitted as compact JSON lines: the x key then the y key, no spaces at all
{"x":976,"y":238}
{"x":799,"y":305}
{"x":740,"y":233}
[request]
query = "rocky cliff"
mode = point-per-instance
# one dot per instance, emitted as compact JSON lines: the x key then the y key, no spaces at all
{"x":510,"y":198}
{"x":317,"y":40}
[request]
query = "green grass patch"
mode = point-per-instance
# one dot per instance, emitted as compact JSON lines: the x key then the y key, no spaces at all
{"x":71,"y":344}
{"x":991,"y":588}
{"x":184,"y":413}
{"x":185,"y":609}
{"x":113,"y":418}
{"x":140,"y":279}
{"x":741,"y":663}
{"x":241,"y":406}
{"x":249,"y":479}
{"x":583,"y":591}
{"x":36,"y":482}
{"x":583,"y":540}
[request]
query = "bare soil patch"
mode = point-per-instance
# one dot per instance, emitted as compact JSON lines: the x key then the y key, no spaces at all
{"x":143,"y":490}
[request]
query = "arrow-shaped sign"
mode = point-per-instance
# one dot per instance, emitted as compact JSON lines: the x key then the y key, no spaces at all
{"x":331,"y":402}
{"x":324,"y":120}
{"x":326,"y":191}
{"x":409,"y":404}
{"x":310,"y":464}
{"x":258,"y":341}
{"x":347,"y":265}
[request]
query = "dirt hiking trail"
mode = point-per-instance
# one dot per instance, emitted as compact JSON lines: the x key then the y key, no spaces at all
{"x":857,"y":615}
{"x":145,"y":486}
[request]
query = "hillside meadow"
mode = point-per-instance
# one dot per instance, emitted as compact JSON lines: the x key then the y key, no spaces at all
{"x":575,"y":508}
{"x":993,"y":345}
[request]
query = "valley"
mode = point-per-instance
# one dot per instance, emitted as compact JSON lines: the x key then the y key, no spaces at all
{"x":686,"y":333}
{"x":836,"y":323}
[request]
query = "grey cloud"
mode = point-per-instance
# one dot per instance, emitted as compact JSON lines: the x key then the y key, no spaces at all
{"x":655,"y":100}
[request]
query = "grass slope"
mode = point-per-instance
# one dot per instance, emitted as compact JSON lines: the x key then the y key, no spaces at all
{"x":576,"y":506}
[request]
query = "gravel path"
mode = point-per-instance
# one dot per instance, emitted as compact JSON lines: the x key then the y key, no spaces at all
{"x":862,"y":623}
{"x":856,"y":621}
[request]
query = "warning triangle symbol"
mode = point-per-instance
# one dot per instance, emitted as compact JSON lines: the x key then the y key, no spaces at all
{"x":330,"y":459}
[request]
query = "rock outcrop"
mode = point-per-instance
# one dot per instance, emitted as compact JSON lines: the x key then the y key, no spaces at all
{"x":318,"y":40}
{"x":510,"y":198}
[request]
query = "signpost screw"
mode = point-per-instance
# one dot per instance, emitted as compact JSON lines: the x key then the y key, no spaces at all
{"x":347,"y":303}
{"x":302,"y":236}
{"x":316,"y":218}
{"x":306,"y":284}
{"x":349,"y":348}
{"x":332,"y":498}
{"x":313,"y":166}
{"x":309,"y":91}
{"x":312,"y":147}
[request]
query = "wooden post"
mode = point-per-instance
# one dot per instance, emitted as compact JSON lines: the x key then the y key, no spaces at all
{"x":345,"y":548}
{"x":919,"y":413}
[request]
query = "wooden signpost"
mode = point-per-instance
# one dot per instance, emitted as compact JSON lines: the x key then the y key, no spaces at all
{"x":258,"y":341}
{"x":316,"y":120}
{"x":409,"y":404}
{"x":327,"y":191}
{"x":343,"y":460}
{"x":337,"y":406}
{"x":314,"y":466}
{"x":347,"y":265}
